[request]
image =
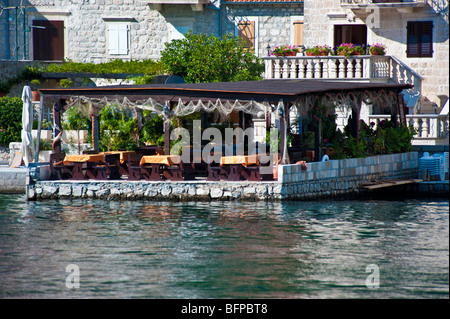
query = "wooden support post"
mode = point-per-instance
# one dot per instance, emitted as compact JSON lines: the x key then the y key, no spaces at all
{"x":139,"y":120}
{"x":57,"y":108}
{"x":167,"y":137}
{"x":96,"y":133}
{"x":38,"y":137}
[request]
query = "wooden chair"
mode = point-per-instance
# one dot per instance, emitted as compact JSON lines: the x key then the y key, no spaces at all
{"x":110,"y":170}
{"x":253,"y":172}
{"x":134,"y":168}
{"x":58,"y":170}
{"x":173,"y":173}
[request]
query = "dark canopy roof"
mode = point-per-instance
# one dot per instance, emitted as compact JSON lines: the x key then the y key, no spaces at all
{"x":266,"y":90}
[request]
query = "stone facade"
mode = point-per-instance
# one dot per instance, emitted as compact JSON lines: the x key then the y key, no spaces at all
{"x":86,"y":22}
{"x":322,"y":16}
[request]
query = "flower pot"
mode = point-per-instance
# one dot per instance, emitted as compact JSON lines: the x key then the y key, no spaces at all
{"x":288,"y":54}
{"x":376,"y":53}
{"x":314,"y":54}
{"x":36,"y":96}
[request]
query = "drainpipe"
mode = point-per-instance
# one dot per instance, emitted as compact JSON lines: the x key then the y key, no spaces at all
{"x":16,"y":50}
{"x":8,"y":48}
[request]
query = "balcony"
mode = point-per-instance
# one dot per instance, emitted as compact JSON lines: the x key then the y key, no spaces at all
{"x":376,"y":68}
{"x":362,"y":7}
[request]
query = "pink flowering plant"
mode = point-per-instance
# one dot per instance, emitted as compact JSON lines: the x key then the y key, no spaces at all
{"x":283,"y":50}
{"x":319,"y":50}
{"x":347,"y":49}
{"x":377,"y":49}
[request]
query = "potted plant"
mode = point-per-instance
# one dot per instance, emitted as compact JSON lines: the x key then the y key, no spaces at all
{"x":318,"y":50}
{"x":377,"y":49}
{"x":285,"y":50}
{"x":347,"y":49}
{"x":35,"y":84}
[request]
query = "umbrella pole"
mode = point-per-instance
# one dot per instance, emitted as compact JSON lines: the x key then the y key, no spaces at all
{"x":38,"y":136}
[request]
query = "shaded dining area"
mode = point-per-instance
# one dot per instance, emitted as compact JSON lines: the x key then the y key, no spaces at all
{"x":203,"y":156}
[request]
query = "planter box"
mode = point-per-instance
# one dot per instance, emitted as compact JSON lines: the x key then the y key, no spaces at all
{"x":44,"y":156}
{"x":71,"y":136}
{"x":45,"y":134}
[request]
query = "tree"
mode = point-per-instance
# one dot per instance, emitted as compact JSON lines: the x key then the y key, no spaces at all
{"x":199,"y":58}
{"x":10,"y":119}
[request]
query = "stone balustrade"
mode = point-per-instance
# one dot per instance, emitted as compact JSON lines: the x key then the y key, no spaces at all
{"x":431,"y":127}
{"x":362,"y":67}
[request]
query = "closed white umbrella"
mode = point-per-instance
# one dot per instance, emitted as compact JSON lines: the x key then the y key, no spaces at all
{"x":27,"y":125}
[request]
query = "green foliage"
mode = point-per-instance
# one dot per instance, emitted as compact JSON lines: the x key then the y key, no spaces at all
{"x":45,"y":145}
{"x":115,"y":66}
{"x":66,"y":83}
{"x":153,"y":130}
{"x":74,"y":119}
{"x":199,"y":58}
{"x":28,"y":74}
{"x":10,"y":120}
{"x":386,"y":138}
{"x":118,"y":129}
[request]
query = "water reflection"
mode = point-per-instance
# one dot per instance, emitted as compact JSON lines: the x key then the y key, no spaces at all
{"x":223,"y":249}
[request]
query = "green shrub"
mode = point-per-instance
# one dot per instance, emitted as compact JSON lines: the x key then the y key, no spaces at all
{"x":152,"y":131}
{"x":118,"y":129}
{"x":10,"y":120}
{"x":199,"y":58}
{"x":385,"y":138}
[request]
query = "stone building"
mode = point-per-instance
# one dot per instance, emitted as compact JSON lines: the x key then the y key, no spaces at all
{"x":101,"y":30}
{"x":416,"y":32}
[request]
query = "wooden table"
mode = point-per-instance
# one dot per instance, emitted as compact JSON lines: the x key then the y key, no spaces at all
{"x":156,"y":161}
{"x":237,"y":164}
{"x":79,"y":160}
{"x":123,"y":169}
{"x":123,"y":155}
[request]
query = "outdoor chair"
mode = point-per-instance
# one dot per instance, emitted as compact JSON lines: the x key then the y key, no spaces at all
{"x":216,"y":172}
{"x":253,"y":172}
{"x":58,"y":170}
{"x":173,"y":173}
{"x":134,"y":169}
{"x":151,"y":172}
{"x":110,"y":170}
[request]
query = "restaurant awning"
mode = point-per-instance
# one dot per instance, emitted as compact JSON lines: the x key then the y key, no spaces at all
{"x":271,"y":91}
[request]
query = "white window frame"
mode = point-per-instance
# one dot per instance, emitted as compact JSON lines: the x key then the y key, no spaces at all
{"x":118,"y":43}
{"x":252,"y":19}
{"x":292,"y":29}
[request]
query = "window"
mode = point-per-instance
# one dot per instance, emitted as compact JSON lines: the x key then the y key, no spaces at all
{"x":246,"y":34}
{"x":298,"y":32}
{"x":247,"y":31}
{"x":48,"y":40}
{"x":419,"y":43}
{"x":118,"y":39}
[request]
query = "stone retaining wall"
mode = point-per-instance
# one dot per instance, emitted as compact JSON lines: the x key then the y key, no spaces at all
{"x":322,"y":179}
{"x":199,"y":190}
{"x":341,"y":177}
{"x":13,"y":180}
